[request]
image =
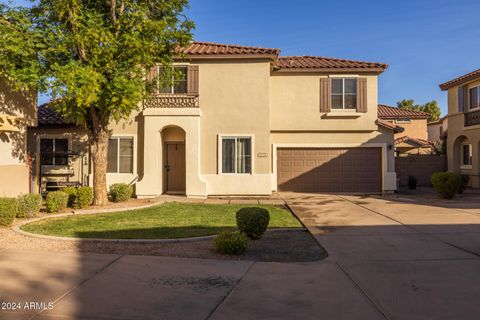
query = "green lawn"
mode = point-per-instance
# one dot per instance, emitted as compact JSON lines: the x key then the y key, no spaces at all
{"x":169,"y":220}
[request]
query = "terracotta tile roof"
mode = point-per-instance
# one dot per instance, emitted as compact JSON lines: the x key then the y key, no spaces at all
{"x":461,"y":80}
{"x":217,"y":49}
{"x":389,"y":125}
{"x":410,"y":140}
{"x":48,"y":116}
{"x":306,"y":63}
{"x":389,"y":112}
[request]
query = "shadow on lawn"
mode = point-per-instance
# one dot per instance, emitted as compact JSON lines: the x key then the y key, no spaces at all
{"x":155,"y":232}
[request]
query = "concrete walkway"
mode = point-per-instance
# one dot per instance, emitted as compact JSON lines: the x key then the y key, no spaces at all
{"x":413,"y":259}
{"x":390,"y":258}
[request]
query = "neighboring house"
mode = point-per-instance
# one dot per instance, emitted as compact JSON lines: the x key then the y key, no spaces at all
{"x":414,"y":138}
{"x":464,"y":125}
{"x":17,"y":111}
{"x":437,"y":131}
{"x":247,"y":121}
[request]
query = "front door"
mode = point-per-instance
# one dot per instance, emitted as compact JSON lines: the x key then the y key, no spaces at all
{"x":175,"y":167}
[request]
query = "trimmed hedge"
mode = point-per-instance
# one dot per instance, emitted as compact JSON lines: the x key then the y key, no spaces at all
{"x":72,"y":195}
{"x":120,"y":192}
{"x":56,"y":201}
{"x":84,"y":197}
{"x":8,"y":210}
{"x":29,"y":205}
{"x":253,"y":221}
{"x":446,"y":184}
{"x":233,"y":243}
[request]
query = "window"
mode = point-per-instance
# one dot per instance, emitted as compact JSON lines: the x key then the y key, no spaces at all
{"x":54,"y":152}
{"x":344,"y":93}
{"x":178,"y":82}
{"x":467,"y":155}
{"x":403,"y":120}
{"x":474,"y":98}
{"x":120,"y":155}
{"x":236,"y":155}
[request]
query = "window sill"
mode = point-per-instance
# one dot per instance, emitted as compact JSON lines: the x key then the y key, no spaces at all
{"x":466,"y":167}
{"x":343,"y":114}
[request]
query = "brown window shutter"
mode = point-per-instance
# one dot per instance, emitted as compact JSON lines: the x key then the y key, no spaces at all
{"x":325,"y":99}
{"x":192,"y":80}
{"x":362,"y":95}
{"x":152,"y":75}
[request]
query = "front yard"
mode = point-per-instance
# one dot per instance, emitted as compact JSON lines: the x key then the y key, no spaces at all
{"x":169,"y":220}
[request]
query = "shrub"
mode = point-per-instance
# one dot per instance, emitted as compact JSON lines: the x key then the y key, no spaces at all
{"x":29,"y":205}
{"x":253,"y":221}
{"x":412,"y":182}
{"x":8,"y":210}
{"x":120,"y":192}
{"x":84,"y":197}
{"x":72,"y":195}
{"x":231,"y":243}
{"x":446,"y":184}
{"x":56,"y":201}
{"x":464,"y":183}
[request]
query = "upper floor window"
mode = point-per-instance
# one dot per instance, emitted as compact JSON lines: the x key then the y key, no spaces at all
{"x":467,"y":155}
{"x":403,"y":120}
{"x":344,"y":93}
{"x":474,"y":98}
{"x":177,"y":83}
{"x":236,"y":155}
{"x":54,"y":152}
{"x":120,"y":155}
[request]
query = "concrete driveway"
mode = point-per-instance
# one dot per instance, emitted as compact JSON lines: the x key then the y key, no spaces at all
{"x":390,"y":258}
{"x":413,"y":258}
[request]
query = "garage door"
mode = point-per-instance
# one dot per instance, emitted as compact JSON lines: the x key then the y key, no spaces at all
{"x":329,"y":170}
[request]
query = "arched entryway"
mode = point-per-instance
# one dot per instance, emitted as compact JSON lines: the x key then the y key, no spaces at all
{"x":457,"y":153}
{"x":174,"y":160}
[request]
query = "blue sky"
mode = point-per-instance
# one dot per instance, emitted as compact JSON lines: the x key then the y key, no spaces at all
{"x":425,"y":42}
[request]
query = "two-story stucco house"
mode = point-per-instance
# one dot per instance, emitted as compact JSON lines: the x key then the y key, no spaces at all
{"x":464,"y":125}
{"x":17,"y":111}
{"x":413,"y":139}
{"x":247,"y":121}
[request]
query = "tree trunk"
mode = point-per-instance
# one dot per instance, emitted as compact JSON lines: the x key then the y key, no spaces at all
{"x":99,"y":152}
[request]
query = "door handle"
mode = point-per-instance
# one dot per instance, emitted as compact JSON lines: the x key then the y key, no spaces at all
{"x":167,"y":167}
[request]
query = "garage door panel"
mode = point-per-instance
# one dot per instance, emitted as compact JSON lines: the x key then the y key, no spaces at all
{"x":329,"y":170}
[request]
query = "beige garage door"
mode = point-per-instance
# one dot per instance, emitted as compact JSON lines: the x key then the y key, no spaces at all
{"x":329,"y":170}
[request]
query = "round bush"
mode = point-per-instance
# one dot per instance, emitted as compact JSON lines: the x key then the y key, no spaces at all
{"x":84,"y":197}
{"x":253,"y":221}
{"x":8,"y":210}
{"x":72,"y":195}
{"x":29,"y":205}
{"x":120,"y":192}
{"x":233,"y":243}
{"x":446,"y":184}
{"x":56,"y":201}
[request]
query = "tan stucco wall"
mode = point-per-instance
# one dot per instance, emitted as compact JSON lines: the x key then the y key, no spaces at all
{"x":13,"y":145}
{"x":433,"y":130}
{"x":295,"y":103}
{"x":417,"y":128}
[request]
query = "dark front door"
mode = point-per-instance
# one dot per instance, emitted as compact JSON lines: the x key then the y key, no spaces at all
{"x":175,"y":167}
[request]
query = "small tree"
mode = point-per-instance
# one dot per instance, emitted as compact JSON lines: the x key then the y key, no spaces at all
{"x":92,"y":57}
{"x":431,"y":108}
{"x":407,"y":104}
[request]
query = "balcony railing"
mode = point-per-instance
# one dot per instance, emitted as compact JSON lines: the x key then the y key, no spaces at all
{"x":472,"y":118}
{"x":172,"y":101}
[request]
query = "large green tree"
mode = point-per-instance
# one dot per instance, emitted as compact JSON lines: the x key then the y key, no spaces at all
{"x":430,"y":107}
{"x":92,"y":57}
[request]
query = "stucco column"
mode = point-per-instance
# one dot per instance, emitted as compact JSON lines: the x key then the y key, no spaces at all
{"x":150,"y":185}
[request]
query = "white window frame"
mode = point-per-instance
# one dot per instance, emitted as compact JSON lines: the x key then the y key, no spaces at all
{"x":172,"y":86}
{"x":462,"y":164}
{"x":118,"y":154}
{"x":343,"y":92}
{"x":403,"y":120}
{"x":220,"y":152}
{"x":478,"y":97}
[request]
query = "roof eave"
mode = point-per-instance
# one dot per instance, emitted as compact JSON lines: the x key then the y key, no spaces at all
{"x":455,"y":83}
{"x":226,"y":56}
{"x":329,"y":70}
